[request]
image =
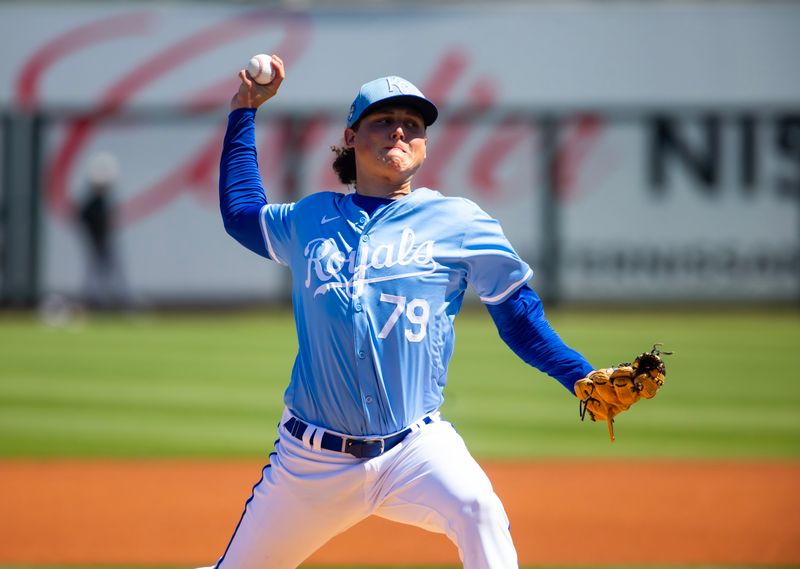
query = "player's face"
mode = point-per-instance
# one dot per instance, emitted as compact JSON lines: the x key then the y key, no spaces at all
{"x":389,"y":143}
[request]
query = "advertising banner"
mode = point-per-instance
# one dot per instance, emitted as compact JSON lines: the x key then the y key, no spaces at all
{"x":674,"y":171}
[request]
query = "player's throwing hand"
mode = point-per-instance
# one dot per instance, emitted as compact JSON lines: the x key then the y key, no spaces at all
{"x":252,"y":95}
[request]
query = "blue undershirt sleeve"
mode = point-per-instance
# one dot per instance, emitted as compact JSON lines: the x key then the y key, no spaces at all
{"x":241,"y":193}
{"x":522,"y":325}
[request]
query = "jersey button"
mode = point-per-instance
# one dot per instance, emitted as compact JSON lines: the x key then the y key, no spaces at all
{"x":364,"y":238}
{"x":357,"y":307}
{"x":362,"y":220}
{"x":368,"y":399}
{"x":362,"y":354}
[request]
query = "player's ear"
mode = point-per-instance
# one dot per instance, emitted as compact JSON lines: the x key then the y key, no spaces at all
{"x":349,"y":137}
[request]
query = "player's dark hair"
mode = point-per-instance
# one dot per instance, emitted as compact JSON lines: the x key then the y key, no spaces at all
{"x":345,"y":164}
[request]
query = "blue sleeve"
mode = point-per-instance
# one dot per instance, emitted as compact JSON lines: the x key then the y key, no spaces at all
{"x":241,"y":193}
{"x":522,"y":325}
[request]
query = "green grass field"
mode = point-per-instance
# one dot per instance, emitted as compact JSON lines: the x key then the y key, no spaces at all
{"x":211,"y":386}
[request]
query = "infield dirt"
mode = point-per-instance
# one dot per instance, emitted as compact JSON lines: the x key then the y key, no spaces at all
{"x":562,"y":512}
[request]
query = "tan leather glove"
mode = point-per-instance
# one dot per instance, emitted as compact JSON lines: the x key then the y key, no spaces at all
{"x":605,"y":393}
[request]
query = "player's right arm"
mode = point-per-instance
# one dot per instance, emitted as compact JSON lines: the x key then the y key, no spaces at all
{"x":241,"y":192}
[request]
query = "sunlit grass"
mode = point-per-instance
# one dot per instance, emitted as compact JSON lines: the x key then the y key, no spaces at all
{"x":212,"y":385}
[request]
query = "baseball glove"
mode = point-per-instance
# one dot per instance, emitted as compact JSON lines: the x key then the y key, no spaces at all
{"x":605,"y":393}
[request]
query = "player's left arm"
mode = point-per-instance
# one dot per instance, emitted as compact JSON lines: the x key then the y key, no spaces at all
{"x":522,"y":325}
{"x":499,"y":275}
{"x":494,"y":269}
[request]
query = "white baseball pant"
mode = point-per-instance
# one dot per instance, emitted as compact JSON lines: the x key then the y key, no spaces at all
{"x":308,"y":495}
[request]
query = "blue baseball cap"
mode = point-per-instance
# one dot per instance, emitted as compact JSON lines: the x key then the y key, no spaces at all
{"x":389,"y":90}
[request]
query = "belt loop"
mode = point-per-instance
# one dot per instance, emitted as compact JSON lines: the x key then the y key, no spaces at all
{"x":317,"y":439}
{"x":309,"y":432}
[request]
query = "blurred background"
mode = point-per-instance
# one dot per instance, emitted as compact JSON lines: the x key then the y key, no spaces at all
{"x":633,"y":151}
{"x":642,"y":156}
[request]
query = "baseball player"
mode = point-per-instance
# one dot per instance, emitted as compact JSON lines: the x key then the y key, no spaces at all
{"x":378,"y":277}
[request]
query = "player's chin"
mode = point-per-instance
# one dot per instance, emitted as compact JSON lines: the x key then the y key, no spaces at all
{"x":401,"y":174}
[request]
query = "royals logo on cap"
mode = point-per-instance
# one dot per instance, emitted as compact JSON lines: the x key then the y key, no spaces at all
{"x":388,"y":90}
{"x":398,"y":83}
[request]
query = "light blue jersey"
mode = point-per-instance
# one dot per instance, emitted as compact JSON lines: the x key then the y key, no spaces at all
{"x":375,"y":297}
{"x":376,"y":286}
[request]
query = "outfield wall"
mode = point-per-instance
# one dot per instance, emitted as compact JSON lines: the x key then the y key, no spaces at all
{"x":631,"y":151}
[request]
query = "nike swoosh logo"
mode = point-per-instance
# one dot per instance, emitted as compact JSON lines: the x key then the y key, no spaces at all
{"x":325,"y":219}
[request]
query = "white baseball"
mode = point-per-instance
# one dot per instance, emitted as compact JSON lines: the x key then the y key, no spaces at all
{"x":260,"y":68}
